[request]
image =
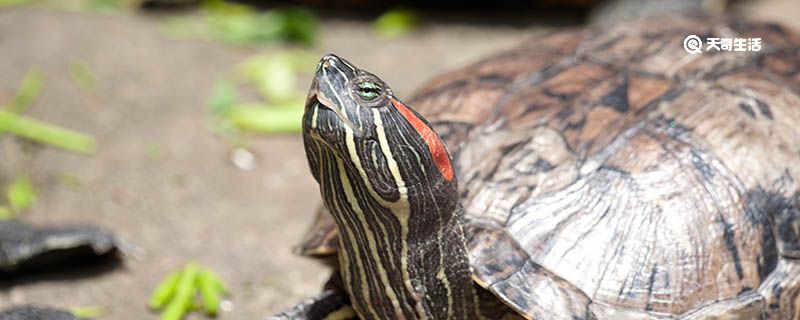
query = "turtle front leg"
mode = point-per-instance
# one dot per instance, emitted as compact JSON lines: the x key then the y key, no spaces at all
{"x":330,"y":305}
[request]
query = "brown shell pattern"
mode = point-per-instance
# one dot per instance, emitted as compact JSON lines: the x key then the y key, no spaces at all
{"x":607,"y":173}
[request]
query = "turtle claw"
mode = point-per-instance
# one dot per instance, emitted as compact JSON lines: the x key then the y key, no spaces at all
{"x":328,"y":305}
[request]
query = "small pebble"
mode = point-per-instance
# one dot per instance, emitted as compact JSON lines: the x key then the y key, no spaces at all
{"x":243,"y":159}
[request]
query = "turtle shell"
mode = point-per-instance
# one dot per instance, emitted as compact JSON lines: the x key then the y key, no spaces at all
{"x":607,"y":173}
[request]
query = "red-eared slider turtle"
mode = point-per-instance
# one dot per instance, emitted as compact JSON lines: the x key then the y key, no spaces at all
{"x":592,"y":173}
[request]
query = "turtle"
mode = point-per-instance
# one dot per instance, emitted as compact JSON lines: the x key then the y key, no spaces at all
{"x":591,"y":173}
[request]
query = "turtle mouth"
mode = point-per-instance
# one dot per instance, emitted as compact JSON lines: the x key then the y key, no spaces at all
{"x":323,"y":123}
{"x":323,"y":111}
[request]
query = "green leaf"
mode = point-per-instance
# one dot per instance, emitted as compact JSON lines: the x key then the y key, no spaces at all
{"x":210,"y":290}
{"x":223,"y":96}
{"x":176,"y":309}
{"x":89,"y":312}
{"x":300,"y":25}
{"x":165,"y":291}
{"x":46,"y":133}
{"x":175,"y":294}
{"x":187,"y":27}
{"x":104,"y":4}
{"x":225,"y":7}
{"x":29,"y":89}
{"x":82,"y":74}
{"x":21,"y":194}
{"x":396,"y":23}
{"x":181,"y":301}
{"x":215,"y":280}
{"x":244,"y":28}
{"x":270,"y":120}
{"x":243,"y":25}
{"x":274,"y":76}
{"x":9,"y":3}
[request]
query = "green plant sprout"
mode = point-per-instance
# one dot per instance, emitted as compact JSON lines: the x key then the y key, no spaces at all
{"x":12,"y":122}
{"x":45,"y":133}
{"x":21,"y":195}
{"x":276,"y":119}
{"x":395,"y":23}
{"x":241,"y":24}
{"x":28,"y":91}
{"x":82,"y":74}
{"x":9,"y":3}
{"x":178,"y":292}
{"x":88,"y":312}
{"x":275,"y":78}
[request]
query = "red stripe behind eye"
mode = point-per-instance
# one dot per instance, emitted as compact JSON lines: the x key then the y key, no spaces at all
{"x":435,"y":145}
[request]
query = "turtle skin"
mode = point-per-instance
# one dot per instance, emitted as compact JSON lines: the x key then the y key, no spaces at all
{"x":608,"y":174}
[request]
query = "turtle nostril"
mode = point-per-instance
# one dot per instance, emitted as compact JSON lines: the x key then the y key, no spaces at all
{"x":328,"y":60}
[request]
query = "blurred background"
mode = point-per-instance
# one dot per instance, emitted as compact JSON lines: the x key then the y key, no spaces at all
{"x":175,"y":124}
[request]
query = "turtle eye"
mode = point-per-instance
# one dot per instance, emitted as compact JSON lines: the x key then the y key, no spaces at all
{"x":368,"y":90}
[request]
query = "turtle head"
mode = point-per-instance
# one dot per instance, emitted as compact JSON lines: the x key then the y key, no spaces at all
{"x":355,"y":116}
{"x":342,"y":97}
{"x":388,"y":182}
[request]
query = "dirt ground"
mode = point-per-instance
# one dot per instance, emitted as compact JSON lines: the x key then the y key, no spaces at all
{"x":163,"y":180}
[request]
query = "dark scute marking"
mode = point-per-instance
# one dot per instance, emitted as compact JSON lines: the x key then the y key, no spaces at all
{"x":561,"y":97}
{"x":671,"y":94}
{"x":761,"y":211}
{"x":651,"y":281}
{"x":702,"y":166}
{"x":777,"y":290}
{"x":747,"y":109}
{"x":776,"y":28}
{"x":542,"y":165}
{"x":565,"y":113}
{"x":452,"y":85}
{"x":493,"y":268}
{"x":768,"y":210}
{"x":496,"y":78}
{"x":576,"y":125}
{"x":618,"y":98}
{"x":745,"y":290}
{"x":609,"y":43}
{"x":769,"y":255}
{"x":785,"y":231}
{"x":674,"y":129}
{"x":730,"y":244}
{"x":765,"y":110}
{"x":533,"y":107}
{"x":622,"y":172}
{"x":647,"y":74}
{"x":509,"y":148}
